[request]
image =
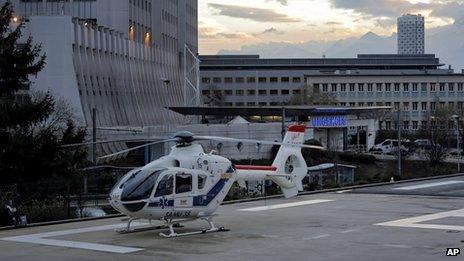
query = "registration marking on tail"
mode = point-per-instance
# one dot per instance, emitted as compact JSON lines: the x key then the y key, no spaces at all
{"x":286,"y":205}
{"x":429,"y":185}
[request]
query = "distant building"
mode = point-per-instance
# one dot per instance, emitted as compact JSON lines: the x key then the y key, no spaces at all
{"x":125,"y":58}
{"x":413,"y":83}
{"x":411,"y":34}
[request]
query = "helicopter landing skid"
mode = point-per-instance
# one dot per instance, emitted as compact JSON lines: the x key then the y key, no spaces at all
{"x":129,"y":230}
{"x":211,"y":229}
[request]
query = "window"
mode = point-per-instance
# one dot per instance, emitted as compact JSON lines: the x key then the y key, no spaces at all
{"x":251,"y":103}
{"x":388,"y":125}
{"x":205,"y":80}
{"x":460,"y":87}
{"x":296,"y":79}
{"x":369,"y":87}
{"x":165,"y":186}
{"x":451,"y":106}
{"x":274,"y":79}
{"x":217,"y":80}
{"x":183,"y":183}
{"x":285,"y":92}
{"x":442,"y":87}
{"x":239,"y":92}
{"x":388,"y":87}
{"x":414,"y":87}
{"x":360,"y":104}
{"x":325,"y":87}
{"x":442,"y":105}
{"x":251,"y":79}
{"x":262,"y":92}
{"x":352,"y":104}
{"x":415,"y":106}
{"x":228,"y":92}
{"x":239,"y":80}
{"x":397,"y":87}
{"x":262,"y":103}
{"x":239,"y":104}
{"x":406,"y":87}
{"x":370,"y":104}
{"x":433,"y":87}
{"x":433,"y":106}
{"x":424,"y":125}
{"x":285,"y":79}
{"x":262,"y":79}
{"x":424,"y":106}
{"x":351,"y":87}
{"x":405,"y":125}
{"x":228,"y":104}
{"x":274,"y":92}
{"x":274,"y":103}
{"x":228,"y":80}
{"x":379,"y":87}
{"x":334,"y":87}
{"x":415,"y":125}
{"x":205,"y":92}
{"x":201,"y":181}
{"x":396,"y":106}
{"x":251,"y":92}
{"x":406,"y":106}
{"x":424,"y":87}
{"x":451,"y":86}
{"x":361,"y":87}
{"x":296,"y":92}
{"x":343,"y":87}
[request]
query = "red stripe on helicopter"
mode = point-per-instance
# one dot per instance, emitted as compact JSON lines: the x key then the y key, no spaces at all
{"x":251,"y":167}
{"x":297,"y":128}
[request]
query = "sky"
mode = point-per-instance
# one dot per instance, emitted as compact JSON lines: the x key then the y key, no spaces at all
{"x":231,"y":24}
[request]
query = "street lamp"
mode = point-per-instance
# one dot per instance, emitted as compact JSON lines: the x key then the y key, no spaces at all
{"x":456,"y":118}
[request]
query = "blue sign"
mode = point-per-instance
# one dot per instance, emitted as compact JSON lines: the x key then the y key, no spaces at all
{"x":329,"y":121}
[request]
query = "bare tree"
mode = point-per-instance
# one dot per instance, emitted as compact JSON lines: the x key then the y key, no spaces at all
{"x":311,"y":95}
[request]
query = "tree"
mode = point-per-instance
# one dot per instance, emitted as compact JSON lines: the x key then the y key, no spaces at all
{"x":33,"y":126}
{"x":311,"y":95}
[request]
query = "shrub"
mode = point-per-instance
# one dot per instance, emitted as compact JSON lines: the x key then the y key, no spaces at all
{"x":357,"y":158}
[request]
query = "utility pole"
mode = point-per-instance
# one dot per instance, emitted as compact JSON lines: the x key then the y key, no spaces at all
{"x":458,"y":141}
{"x":399,"y":141}
{"x":283,"y":123}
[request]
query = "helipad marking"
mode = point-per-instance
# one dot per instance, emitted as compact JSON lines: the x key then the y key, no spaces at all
{"x":286,"y":205}
{"x":417,"y":222}
{"x":42,"y":239}
{"x":429,"y":185}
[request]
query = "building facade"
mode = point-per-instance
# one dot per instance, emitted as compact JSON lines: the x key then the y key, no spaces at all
{"x":411,"y":34}
{"x":414,"y":84}
{"x":125,"y":58}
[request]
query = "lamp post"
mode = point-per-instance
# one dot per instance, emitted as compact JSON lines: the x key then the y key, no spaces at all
{"x":456,"y":118}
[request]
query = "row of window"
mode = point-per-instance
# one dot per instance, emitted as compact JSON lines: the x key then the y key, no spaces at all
{"x":415,"y":125}
{"x":379,"y":87}
{"x":250,"y":92}
{"x":404,"y":106}
{"x":207,"y":80}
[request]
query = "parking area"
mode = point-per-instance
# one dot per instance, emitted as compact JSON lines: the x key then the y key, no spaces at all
{"x":381,"y":223}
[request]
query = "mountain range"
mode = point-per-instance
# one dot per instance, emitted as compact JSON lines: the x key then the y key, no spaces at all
{"x":447,"y":42}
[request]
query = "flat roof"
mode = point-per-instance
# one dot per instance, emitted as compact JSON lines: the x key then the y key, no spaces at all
{"x":290,"y":111}
{"x":362,"y":61}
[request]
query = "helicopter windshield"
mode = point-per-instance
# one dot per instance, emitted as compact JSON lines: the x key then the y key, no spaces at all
{"x":140,"y":185}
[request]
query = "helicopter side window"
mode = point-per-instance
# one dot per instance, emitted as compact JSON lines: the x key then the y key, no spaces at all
{"x":165,"y":186}
{"x":201,"y":181}
{"x":183,"y":183}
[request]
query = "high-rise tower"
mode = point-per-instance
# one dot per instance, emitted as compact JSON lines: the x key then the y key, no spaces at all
{"x":411,"y":34}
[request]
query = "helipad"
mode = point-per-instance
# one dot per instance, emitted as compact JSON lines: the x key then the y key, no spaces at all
{"x":371,"y":225}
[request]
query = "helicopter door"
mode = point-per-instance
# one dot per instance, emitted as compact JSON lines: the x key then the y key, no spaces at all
{"x":164,"y":193}
{"x":184,"y":191}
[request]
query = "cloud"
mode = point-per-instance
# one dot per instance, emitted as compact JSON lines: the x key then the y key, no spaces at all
{"x":271,"y":30}
{"x":251,"y":13}
{"x":393,"y":8}
{"x":282,"y":2}
{"x":332,"y":23}
{"x":213,"y":33}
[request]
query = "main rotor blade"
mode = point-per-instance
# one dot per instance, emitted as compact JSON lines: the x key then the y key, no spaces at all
{"x":256,"y":141}
{"x":137,"y":147}
{"x":103,"y":142}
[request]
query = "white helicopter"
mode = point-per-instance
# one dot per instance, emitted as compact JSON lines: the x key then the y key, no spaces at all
{"x":189,"y":184}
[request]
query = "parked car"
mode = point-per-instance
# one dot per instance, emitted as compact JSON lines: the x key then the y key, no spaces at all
{"x":390,"y":146}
